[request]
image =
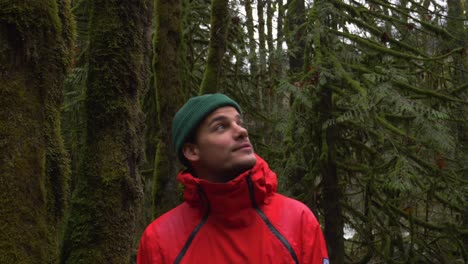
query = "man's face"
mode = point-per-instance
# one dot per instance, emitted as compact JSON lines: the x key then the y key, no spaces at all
{"x":222,"y":149}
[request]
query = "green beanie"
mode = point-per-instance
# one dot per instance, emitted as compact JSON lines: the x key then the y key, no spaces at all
{"x":192,"y":114}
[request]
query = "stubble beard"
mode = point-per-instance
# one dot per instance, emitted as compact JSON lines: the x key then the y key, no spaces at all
{"x":238,"y":169}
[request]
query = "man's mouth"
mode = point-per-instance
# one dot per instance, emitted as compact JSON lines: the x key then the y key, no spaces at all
{"x":243,"y":146}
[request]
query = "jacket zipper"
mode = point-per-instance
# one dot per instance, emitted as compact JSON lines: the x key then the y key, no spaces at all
{"x":196,"y":229}
{"x":270,"y":226}
{"x":265,"y":219}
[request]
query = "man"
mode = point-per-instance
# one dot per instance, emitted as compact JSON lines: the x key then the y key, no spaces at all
{"x":231,"y":213}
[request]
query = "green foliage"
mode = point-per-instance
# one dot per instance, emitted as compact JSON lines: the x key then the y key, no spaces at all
{"x":396,"y":113}
{"x":367,"y":99}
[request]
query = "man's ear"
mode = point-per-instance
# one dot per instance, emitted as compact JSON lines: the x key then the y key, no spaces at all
{"x":190,"y":152}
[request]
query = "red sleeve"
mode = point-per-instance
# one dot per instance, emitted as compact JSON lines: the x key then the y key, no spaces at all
{"x":314,"y":246}
{"x":149,"y":251}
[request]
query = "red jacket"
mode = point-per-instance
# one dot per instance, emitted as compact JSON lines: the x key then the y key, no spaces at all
{"x":242,"y":221}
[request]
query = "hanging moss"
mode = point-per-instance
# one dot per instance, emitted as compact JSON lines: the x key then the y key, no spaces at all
{"x":375,"y":46}
{"x":377,"y":32}
{"x":389,"y":126}
{"x":353,"y":83}
{"x":430,"y":93}
{"x":435,"y":29}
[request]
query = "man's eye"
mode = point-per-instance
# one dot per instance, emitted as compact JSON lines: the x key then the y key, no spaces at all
{"x":219,"y":127}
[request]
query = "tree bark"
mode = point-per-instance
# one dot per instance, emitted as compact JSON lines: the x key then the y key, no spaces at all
{"x":170,"y":96}
{"x":332,"y":190}
{"x":295,"y":39}
{"x":269,"y":26}
{"x":261,"y":60}
{"x":220,"y":18}
{"x":332,"y":193}
{"x":108,"y":192}
{"x":261,"y":38}
{"x":252,"y":57}
{"x":35,"y":45}
{"x":455,"y":25}
{"x":280,"y":29}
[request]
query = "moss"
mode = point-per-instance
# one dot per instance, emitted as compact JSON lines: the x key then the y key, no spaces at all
{"x":353,"y":83}
{"x":170,"y":95}
{"x":253,"y":61}
{"x":356,"y":17}
{"x":26,"y":235}
{"x":30,"y":146}
{"x":375,"y":46}
{"x":390,"y":126}
{"x":436,"y":29}
{"x":296,"y":34}
{"x":162,"y":175}
{"x":315,"y":20}
{"x":430,"y":93}
{"x":218,"y":43}
{"x":103,"y":207}
{"x":36,"y":22}
{"x":108,"y":192}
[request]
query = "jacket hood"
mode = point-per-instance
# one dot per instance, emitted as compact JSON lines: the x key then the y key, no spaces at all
{"x":225,"y":199}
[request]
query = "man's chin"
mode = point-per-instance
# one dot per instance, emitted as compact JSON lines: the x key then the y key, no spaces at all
{"x":248,"y":163}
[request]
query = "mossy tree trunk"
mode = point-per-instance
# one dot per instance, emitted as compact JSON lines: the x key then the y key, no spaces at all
{"x":169,"y":98}
{"x":455,"y":25}
{"x":262,"y":54}
{"x":332,"y":195}
{"x":269,"y":26}
{"x":276,"y":71}
{"x":328,"y":134}
{"x":108,"y":191}
{"x":253,"y":61}
{"x":332,"y":191}
{"x":35,"y":44}
{"x":295,"y":38}
{"x":220,"y":19}
{"x":293,"y":156}
{"x":75,"y":91}
{"x":280,"y":31}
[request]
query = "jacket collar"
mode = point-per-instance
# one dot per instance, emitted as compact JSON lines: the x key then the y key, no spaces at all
{"x":224,"y":199}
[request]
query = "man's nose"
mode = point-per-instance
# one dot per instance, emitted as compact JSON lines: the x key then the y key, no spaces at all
{"x":240,"y":131}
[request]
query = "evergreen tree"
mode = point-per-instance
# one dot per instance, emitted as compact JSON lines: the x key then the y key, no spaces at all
{"x":382,"y":113}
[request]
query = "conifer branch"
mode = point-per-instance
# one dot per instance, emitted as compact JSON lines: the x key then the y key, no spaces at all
{"x":427,"y":92}
{"x":385,"y":123}
{"x":436,"y":29}
{"x":460,"y":89}
{"x":375,"y":46}
{"x":353,"y":83}
{"x":375,"y":30}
